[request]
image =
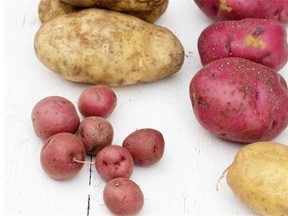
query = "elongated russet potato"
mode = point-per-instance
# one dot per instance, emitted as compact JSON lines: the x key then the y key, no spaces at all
{"x":123,"y":5}
{"x":49,"y":9}
{"x":259,"y":177}
{"x":108,"y":47}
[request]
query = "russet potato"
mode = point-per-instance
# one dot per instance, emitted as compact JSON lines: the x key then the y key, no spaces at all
{"x":107,"y":47}
{"x":259,"y":177}
{"x":49,"y":9}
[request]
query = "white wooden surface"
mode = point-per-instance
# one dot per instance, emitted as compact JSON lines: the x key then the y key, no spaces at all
{"x":182,"y":183}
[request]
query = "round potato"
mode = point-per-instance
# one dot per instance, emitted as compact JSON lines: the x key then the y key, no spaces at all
{"x":108,"y":47}
{"x":259,"y":177}
{"x":145,"y":145}
{"x":54,"y":114}
{"x":114,"y":161}
{"x":123,"y":197}
{"x":59,"y":156}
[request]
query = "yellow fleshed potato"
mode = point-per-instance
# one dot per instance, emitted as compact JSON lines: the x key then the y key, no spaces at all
{"x":49,"y":9}
{"x":123,"y":5}
{"x":259,"y":177}
{"x":107,"y":47}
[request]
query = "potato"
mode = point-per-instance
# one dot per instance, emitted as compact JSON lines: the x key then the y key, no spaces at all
{"x":49,"y":9}
{"x":239,"y":9}
{"x":108,"y":47}
{"x":54,"y":114}
{"x":97,"y":100}
{"x":114,"y":161}
{"x":240,"y":100}
{"x":123,"y":197}
{"x":126,"y":5}
{"x":146,"y":146}
{"x":259,"y":40}
{"x":95,"y":133}
{"x":60,"y":155}
{"x":259,"y":177}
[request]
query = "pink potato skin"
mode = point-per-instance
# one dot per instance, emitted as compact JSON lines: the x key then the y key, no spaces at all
{"x":240,"y":100}
{"x":114,"y":161}
{"x":97,"y":100}
{"x":58,"y":154}
{"x":239,"y":9}
{"x":259,"y":40}
{"x":145,"y":145}
{"x":96,"y":133}
{"x":123,"y":197}
{"x":52,"y":115}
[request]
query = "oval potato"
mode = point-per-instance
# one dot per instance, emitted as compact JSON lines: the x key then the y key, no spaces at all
{"x":107,"y":47}
{"x":49,"y":9}
{"x":259,"y":177}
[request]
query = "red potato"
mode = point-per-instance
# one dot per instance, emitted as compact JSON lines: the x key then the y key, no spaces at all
{"x":97,"y":100}
{"x":240,"y":100}
{"x":96,"y":133}
{"x":114,"y":161}
{"x":145,"y":145}
{"x":52,"y":115}
{"x":259,"y":40}
{"x":123,"y":197}
{"x":239,"y":9}
{"x":59,"y":156}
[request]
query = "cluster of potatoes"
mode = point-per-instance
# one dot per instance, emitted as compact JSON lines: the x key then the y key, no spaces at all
{"x":239,"y":95}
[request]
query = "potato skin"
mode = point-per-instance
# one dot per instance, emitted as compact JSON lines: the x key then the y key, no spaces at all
{"x":259,"y":40}
{"x":259,"y":177}
{"x":49,"y":9}
{"x":108,"y":47}
{"x":239,"y":9}
{"x":123,"y":197}
{"x":240,"y":100}
{"x":123,"y":5}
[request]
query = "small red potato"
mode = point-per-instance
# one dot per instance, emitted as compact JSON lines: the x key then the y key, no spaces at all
{"x":239,"y":9}
{"x":145,"y":145}
{"x":259,"y":40}
{"x":96,"y":133}
{"x":240,"y":100}
{"x":97,"y":100}
{"x":62,"y":155}
{"x":52,"y":115}
{"x":123,"y":197}
{"x":114,"y":161}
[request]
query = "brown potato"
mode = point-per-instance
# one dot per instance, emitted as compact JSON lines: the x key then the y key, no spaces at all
{"x":259,"y":177}
{"x":124,"y":5}
{"x":49,"y":9}
{"x":108,"y":47}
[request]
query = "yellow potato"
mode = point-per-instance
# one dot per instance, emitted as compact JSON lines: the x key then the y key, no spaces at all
{"x":259,"y":177}
{"x":49,"y":9}
{"x":108,"y":47}
{"x":123,"y":5}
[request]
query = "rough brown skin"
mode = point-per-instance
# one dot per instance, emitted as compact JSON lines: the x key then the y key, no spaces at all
{"x":123,"y":197}
{"x":58,"y":156}
{"x":240,"y":100}
{"x":49,"y":9}
{"x":95,"y":133}
{"x":108,"y":47}
{"x":259,"y":177}
{"x":259,"y":40}
{"x":114,"y":161}
{"x":97,"y":100}
{"x":54,"y":114}
{"x":123,"y":5}
{"x":239,"y":9}
{"x":145,"y":145}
